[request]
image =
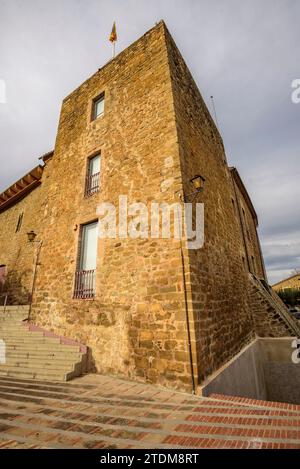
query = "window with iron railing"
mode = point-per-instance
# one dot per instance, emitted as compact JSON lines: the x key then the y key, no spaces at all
{"x":92,"y":184}
{"x":85,"y":275}
{"x":84,"y":284}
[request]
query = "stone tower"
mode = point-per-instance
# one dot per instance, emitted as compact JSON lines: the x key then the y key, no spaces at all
{"x":159,"y":312}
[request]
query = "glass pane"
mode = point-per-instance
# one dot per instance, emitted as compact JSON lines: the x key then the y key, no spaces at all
{"x":99,"y":106}
{"x":88,"y":259}
{"x":95,"y":165}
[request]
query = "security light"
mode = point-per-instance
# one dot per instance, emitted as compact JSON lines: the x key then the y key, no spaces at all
{"x":198,"y":183}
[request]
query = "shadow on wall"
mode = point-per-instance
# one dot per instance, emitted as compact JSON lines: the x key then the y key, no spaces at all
{"x":15,"y":288}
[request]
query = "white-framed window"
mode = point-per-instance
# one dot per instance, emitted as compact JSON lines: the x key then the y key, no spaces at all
{"x":98,"y":107}
{"x":93,"y":175}
{"x":85,"y":276}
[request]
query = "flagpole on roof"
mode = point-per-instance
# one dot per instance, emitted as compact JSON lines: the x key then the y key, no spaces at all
{"x":113,"y":39}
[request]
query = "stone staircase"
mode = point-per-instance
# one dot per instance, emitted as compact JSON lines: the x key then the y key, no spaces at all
{"x":34,"y":353}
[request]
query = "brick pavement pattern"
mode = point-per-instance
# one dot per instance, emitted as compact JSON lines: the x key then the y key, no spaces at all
{"x":96,"y":411}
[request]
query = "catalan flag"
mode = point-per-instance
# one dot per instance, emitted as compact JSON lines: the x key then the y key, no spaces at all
{"x":113,"y":35}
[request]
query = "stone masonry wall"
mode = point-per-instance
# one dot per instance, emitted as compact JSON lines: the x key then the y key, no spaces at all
{"x":292,"y":282}
{"x":217,"y":277}
{"x":248,"y":228}
{"x":15,"y":250}
{"x":136,"y":325}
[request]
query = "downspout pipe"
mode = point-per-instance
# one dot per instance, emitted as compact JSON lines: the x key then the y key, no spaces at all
{"x":187,"y":318}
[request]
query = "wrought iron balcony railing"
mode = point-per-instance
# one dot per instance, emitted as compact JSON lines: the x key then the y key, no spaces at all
{"x":85,"y":284}
{"x":92,"y":184}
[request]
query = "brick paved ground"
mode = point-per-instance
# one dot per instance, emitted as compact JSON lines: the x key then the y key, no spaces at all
{"x":104,"y":412}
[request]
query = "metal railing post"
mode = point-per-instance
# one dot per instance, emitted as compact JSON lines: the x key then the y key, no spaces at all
{"x":5,"y":303}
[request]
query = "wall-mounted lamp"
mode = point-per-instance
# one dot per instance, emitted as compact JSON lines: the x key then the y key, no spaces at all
{"x":198,"y":183}
{"x":31,"y":236}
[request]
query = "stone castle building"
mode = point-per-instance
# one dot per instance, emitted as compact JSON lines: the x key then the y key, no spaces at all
{"x":149,"y":309}
{"x":292,"y":282}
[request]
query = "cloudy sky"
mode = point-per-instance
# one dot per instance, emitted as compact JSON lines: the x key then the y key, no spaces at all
{"x":244,"y":52}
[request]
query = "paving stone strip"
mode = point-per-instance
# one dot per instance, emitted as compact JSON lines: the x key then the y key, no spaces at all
{"x":158,"y":426}
{"x":159,"y":395}
{"x":17,"y":395}
{"x":207,"y":405}
{"x":130,"y":400}
{"x":246,"y":401}
{"x":75,"y":438}
{"x":121,"y":438}
{"x":107,"y":414}
{"x":177,"y":417}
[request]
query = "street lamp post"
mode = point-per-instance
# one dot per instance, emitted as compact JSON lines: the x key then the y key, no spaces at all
{"x":32,"y":239}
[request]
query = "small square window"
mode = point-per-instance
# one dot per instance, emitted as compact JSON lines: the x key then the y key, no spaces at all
{"x":98,"y":107}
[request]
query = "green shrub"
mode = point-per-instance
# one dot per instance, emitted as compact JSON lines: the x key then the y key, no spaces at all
{"x":290,"y":296}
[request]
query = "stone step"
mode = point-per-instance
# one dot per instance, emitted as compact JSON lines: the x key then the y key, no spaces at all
{"x":30,"y":354}
{"x":20,"y":333}
{"x":16,"y":315}
{"x":12,"y":340}
{"x":52,"y":355}
{"x":41,"y":361}
{"x":36,"y":367}
{"x":42,"y":375}
{"x":12,"y":312}
{"x":43,"y":347}
{"x":245,"y":402}
{"x":11,"y":324}
{"x":13,"y":317}
{"x":15,"y":321}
